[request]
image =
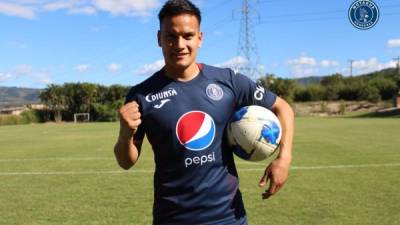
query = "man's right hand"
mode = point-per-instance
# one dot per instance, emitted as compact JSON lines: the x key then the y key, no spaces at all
{"x":127,"y":149}
{"x":129,"y":117}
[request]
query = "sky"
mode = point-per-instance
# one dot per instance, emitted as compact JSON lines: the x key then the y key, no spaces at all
{"x":114,"y":41}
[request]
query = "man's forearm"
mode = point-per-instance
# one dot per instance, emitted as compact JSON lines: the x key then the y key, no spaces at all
{"x":286,"y":117}
{"x":126,"y":152}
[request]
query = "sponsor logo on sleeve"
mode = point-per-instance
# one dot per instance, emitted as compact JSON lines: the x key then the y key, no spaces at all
{"x":259,"y":93}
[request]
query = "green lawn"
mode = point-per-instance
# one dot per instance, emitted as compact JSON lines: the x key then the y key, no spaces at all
{"x":345,"y":171}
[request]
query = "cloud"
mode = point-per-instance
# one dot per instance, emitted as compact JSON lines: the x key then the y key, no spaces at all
{"x":5,"y":76}
{"x":233,"y":63}
{"x":371,"y":65}
{"x":139,"y":8}
{"x":25,"y":72}
{"x":240,"y":64}
{"x":303,"y":66}
{"x":43,"y":78}
{"x":309,"y":66}
{"x":19,"y":71}
{"x":393,"y":43}
{"x":149,"y":69}
{"x":58,"y":5}
{"x":28,"y":8}
{"x":86,"y":10}
{"x":365,"y":64}
{"x":82,"y":68}
{"x":72,"y":6}
{"x":17,"y":10}
{"x":303,"y":71}
{"x":328,"y":63}
{"x":113,"y":67}
{"x":302,"y":60}
{"x":22,"y":70}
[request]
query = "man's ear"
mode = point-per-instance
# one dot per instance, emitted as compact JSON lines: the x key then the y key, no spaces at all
{"x":200,"y":39}
{"x":159,"y":38}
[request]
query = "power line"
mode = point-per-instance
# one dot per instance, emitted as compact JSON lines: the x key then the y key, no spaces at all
{"x":398,"y":66}
{"x":247,"y":48}
{"x":311,"y":16}
{"x":305,"y":14}
{"x":351,"y":67}
{"x":300,"y":20}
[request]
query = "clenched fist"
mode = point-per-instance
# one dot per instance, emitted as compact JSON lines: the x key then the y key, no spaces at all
{"x":129,"y":117}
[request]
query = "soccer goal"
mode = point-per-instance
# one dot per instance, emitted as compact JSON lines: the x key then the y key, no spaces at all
{"x":81,"y":117}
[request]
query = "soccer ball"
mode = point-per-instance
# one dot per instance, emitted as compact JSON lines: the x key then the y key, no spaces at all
{"x":254,"y":133}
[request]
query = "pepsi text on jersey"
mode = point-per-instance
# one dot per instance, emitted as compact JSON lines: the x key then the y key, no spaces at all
{"x":195,"y":130}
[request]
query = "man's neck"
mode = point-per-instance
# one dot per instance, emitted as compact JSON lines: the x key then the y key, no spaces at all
{"x":182,"y":75}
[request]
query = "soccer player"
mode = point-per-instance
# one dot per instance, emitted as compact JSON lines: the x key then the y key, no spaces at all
{"x":183,"y":109}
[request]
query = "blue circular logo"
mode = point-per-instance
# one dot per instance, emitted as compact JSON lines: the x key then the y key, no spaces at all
{"x":363,"y":14}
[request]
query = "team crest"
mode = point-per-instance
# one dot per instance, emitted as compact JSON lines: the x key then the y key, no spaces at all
{"x":363,"y":14}
{"x":214,"y":92}
{"x":195,"y":130}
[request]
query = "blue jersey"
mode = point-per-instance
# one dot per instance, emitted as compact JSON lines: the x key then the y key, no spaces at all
{"x":195,"y":180}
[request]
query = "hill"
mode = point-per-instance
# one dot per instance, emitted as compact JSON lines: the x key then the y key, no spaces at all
{"x":15,"y":96}
{"x":388,"y":73}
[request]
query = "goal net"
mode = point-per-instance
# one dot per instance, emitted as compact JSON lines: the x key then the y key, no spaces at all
{"x":81,"y":117}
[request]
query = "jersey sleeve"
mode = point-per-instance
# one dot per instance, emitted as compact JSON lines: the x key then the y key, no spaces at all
{"x":247,"y":92}
{"x":133,"y":95}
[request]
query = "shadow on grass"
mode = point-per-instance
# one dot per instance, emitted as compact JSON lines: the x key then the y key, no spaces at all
{"x":387,"y":113}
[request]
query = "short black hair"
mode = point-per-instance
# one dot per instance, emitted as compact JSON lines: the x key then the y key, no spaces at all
{"x":176,"y":7}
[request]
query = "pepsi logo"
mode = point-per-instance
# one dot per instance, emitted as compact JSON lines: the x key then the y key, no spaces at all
{"x":195,"y":130}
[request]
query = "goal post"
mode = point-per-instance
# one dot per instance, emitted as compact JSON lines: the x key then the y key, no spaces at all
{"x":81,"y":117}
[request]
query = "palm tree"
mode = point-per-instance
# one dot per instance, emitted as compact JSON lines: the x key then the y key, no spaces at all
{"x":54,"y":98}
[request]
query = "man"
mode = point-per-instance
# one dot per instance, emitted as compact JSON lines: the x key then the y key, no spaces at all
{"x":183,"y":109}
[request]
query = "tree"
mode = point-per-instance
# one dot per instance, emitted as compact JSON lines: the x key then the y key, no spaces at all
{"x":313,"y":92}
{"x":54,"y":98}
{"x":370,"y":93}
{"x":284,"y":88}
{"x":88,"y":94}
{"x":332,"y":80}
{"x":333,"y":85}
{"x":108,"y":111}
{"x":386,"y":87}
{"x":116,"y":93}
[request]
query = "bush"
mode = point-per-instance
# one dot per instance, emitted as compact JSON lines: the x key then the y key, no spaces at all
{"x":8,"y":119}
{"x":371,"y":94}
{"x":30,"y":116}
{"x":342,"y":108}
{"x":314,"y":92}
{"x":106,"y":112}
{"x":26,"y":117}
{"x":284,"y":88}
{"x":324,"y":107}
{"x":386,"y":87}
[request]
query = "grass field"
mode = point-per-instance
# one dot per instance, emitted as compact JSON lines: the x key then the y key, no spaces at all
{"x":345,"y":171}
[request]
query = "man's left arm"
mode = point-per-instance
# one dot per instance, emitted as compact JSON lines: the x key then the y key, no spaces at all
{"x":277,"y":172}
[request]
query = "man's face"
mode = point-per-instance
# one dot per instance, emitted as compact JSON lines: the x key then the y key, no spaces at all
{"x":179,"y":38}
